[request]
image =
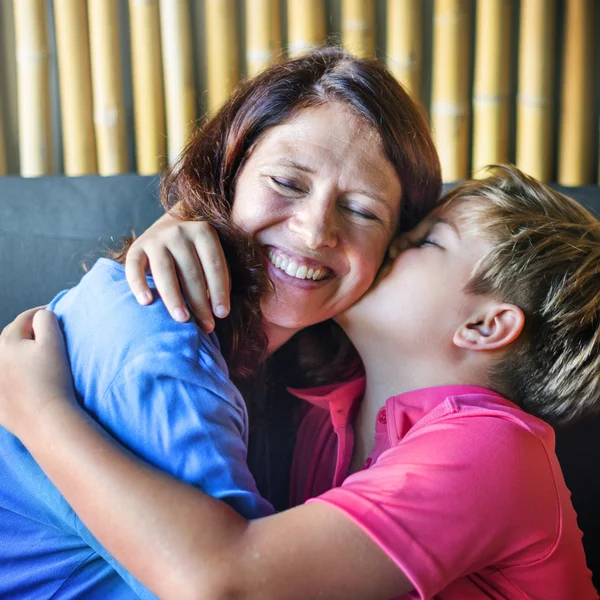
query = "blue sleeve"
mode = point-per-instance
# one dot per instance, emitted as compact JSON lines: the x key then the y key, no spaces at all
{"x":168,"y":412}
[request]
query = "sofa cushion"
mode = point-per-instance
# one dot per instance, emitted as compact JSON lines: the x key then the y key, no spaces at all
{"x":50,"y":225}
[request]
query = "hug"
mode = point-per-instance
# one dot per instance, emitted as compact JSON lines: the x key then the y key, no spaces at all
{"x":425,"y":347}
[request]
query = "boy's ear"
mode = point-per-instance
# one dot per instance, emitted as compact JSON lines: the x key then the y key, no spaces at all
{"x":497,"y":327}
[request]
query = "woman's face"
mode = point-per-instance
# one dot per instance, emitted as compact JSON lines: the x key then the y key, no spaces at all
{"x":319,"y":196}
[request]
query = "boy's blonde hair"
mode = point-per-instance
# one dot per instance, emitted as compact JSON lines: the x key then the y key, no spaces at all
{"x":545,"y":258}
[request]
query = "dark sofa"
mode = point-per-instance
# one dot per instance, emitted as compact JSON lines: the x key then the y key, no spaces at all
{"x":50,"y":226}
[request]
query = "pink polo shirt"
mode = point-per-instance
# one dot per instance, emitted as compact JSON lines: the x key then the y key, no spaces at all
{"x":463,"y":491}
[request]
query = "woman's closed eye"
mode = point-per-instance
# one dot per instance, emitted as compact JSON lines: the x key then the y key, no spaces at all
{"x":359,"y":212}
{"x":287,"y":185}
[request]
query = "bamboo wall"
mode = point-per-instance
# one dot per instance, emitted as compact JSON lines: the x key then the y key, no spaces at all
{"x":112,"y":86}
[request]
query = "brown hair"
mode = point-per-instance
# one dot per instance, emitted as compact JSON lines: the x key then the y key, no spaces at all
{"x":546,"y":260}
{"x":201,"y":185}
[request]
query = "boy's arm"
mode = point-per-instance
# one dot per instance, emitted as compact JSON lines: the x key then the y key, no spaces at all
{"x":184,"y":544}
{"x":178,"y":541}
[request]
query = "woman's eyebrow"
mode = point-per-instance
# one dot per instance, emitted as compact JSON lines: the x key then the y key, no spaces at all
{"x":286,"y":162}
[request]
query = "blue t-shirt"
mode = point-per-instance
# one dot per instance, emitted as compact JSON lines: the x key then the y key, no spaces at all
{"x":162,"y":389}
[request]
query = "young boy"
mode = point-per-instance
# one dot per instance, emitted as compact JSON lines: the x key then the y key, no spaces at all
{"x":489,"y":315}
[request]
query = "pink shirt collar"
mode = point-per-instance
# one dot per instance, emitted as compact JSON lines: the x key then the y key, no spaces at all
{"x":342,"y":400}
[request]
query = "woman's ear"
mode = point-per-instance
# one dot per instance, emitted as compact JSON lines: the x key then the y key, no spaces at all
{"x":497,"y":327}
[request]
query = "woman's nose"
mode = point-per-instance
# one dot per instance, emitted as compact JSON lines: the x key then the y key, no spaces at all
{"x":315,"y":222}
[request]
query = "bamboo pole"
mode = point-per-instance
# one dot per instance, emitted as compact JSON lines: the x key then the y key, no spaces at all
{"x":450,"y":103}
{"x":534,"y":100}
{"x":491,"y":89}
{"x":72,"y":44}
{"x":149,"y":111}
{"x":263,"y":36}
{"x":222,"y":53}
{"x":358,"y":24}
{"x":306,"y":25}
{"x":404,"y":43}
{"x":575,"y":150}
{"x":33,"y":83}
{"x":2,"y":150}
{"x":180,"y":94}
{"x":109,"y":110}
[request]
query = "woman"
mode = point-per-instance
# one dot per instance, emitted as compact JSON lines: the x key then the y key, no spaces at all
{"x":317,"y":161}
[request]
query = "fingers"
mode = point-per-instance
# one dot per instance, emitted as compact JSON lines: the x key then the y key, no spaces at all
{"x":213,"y":261}
{"x":184,"y":258}
{"x":136,"y":264}
{"x":193,"y":283}
{"x":22,"y":327}
{"x":47,"y":330}
{"x":167,"y":284}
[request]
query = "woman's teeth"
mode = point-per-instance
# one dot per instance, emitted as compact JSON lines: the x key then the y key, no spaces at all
{"x":293,"y":270}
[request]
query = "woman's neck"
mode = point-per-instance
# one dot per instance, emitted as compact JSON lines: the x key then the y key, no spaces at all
{"x":277,"y":336}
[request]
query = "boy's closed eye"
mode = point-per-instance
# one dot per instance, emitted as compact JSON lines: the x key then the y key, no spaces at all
{"x":427,"y":240}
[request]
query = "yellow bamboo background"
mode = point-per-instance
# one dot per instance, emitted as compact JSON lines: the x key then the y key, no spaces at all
{"x":111,"y":86}
{"x":450,"y":92}
{"x":2,"y":151}
{"x":109,"y":109}
{"x":180,"y":94}
{"x":491,"y":85}
{"x":263,"y":34}
{"x":149,"y":111}
{"x":358,"y":27}
{"x":306,"y":25}
{"x":535,"y":131}
{"x":33,"y":87}
{"x":576,"y":128}
{"x":404,"y":40}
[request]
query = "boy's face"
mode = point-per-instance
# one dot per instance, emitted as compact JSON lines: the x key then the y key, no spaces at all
{"x":419,"y":297}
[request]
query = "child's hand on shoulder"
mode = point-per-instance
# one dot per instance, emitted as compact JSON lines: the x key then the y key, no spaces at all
{"x":35,"y":371}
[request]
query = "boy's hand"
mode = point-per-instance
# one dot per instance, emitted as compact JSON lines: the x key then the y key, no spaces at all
{"x":183,"y":256}
{"x":35,"y":370}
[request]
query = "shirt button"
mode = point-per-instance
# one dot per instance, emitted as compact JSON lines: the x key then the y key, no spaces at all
{"x":382,"y":417}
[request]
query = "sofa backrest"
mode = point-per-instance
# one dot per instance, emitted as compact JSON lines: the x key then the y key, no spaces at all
{"x":50,"y":225}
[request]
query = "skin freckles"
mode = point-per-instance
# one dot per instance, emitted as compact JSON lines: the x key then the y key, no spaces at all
{"x":319,"y":191}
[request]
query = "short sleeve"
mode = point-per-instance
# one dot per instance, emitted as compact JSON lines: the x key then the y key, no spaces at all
{"x":455,"y":497}
{"x":166,"y":411}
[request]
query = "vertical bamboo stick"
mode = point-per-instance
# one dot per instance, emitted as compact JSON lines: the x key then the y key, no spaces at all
{"x":72,"y":43}
{"x":180,"y":94}
{"x":534,"y":101}
{"x":33,"y":83}
{"x":490,"y":96}
{"x":575,"y":151}
{"x":450,"y":105}
{"x":2,"y":150}
{"x":149,"y":111}
{"x":306,"y":25}
{"x":221,"y":51}
{"x":404,"y":43}
{"x":109,"y":110}
{"x":358,"y":24}
{"x":263,"y":38}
